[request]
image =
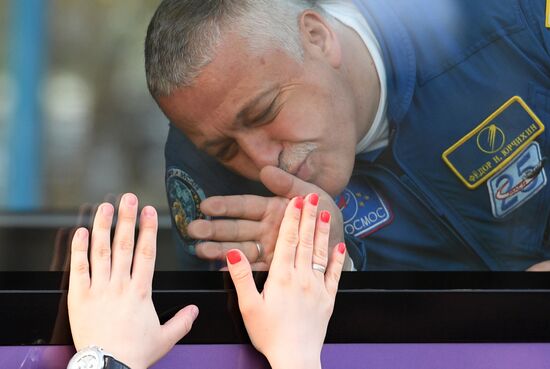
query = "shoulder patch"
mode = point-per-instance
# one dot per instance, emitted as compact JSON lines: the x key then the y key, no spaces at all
{"x":493,"y":144}
{"x":363,"y":209}
{"x":184,"y":198}
{"x":522,"y":179}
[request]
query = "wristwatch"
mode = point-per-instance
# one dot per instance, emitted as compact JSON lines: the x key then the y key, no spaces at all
{"x":94,"y":357}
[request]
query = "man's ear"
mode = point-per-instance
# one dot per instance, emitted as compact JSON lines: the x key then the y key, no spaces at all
{"x":320,"y":38}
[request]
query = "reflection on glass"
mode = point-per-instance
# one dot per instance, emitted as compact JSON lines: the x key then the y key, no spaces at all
{"x":450,"y":171}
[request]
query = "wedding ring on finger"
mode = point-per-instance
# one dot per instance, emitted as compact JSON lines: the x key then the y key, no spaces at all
{"x":319,"y":268}
{"x":260,"y":249}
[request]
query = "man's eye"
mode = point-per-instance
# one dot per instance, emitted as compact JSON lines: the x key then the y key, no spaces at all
{"x":267,"y":115}
{"x":263,"y":117}
{"x":227,"y":152}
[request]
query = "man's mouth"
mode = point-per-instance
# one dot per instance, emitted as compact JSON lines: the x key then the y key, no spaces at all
{"x":295,"y":168}
{"x":297,"y":161}
{"x":303,"y":170}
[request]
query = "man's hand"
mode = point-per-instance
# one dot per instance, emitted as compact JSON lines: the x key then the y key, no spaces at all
{"x":110,"y":305}
{"x":543,"y":266}
{"x":251,"y":219}
{"x":254,"y":219}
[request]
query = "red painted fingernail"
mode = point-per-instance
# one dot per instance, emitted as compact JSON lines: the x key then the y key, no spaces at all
{"x":341,"y":247}
{"x":325,"y":216}
{"x":233,"y":256}
{"x":299,"y":202}
{"x":314,"y":199}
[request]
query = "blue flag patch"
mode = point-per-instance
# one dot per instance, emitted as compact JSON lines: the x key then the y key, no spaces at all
{"x":363,"y":209}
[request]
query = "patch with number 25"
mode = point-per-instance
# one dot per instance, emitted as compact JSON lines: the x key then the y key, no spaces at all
{"x":515,"y":184}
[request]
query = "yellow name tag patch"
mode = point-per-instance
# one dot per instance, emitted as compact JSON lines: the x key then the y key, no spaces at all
{"x":477,"y":156}
{"x":547,"y":13}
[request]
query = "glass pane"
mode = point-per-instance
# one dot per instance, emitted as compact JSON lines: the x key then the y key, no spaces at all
{"x":81,"y":110}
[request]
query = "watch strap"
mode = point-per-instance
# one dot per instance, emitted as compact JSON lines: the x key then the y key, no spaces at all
{"x":112,"y":363}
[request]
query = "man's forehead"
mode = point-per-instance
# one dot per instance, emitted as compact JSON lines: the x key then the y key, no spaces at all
{"x":216,"y":83}
{"x":234,"y":78}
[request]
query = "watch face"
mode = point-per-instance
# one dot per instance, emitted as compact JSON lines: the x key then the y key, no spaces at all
{"x":88,"y":358}
{"x":88,"y":361}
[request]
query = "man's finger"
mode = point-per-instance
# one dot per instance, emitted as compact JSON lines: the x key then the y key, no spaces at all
{"x":285,"y":184}
{"x":233,"y":230}
{"x":540,"y":267}
{"x":249,"y":207}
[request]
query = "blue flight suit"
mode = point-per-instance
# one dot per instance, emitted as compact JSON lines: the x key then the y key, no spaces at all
{"x":462,"y":185}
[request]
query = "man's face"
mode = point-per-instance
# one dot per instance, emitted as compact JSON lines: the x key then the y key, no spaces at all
{"x":250,"y":110}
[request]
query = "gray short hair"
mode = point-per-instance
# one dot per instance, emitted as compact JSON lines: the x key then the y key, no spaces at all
{"x":183,"y":35}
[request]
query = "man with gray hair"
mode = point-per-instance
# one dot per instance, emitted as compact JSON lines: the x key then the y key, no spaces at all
{"x":337,"y":98}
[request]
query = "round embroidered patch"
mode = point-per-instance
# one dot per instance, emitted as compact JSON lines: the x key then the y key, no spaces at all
{"x":184,"y":197}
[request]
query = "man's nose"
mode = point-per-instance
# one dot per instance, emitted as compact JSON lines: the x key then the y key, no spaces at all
{"x":260,"y":148}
